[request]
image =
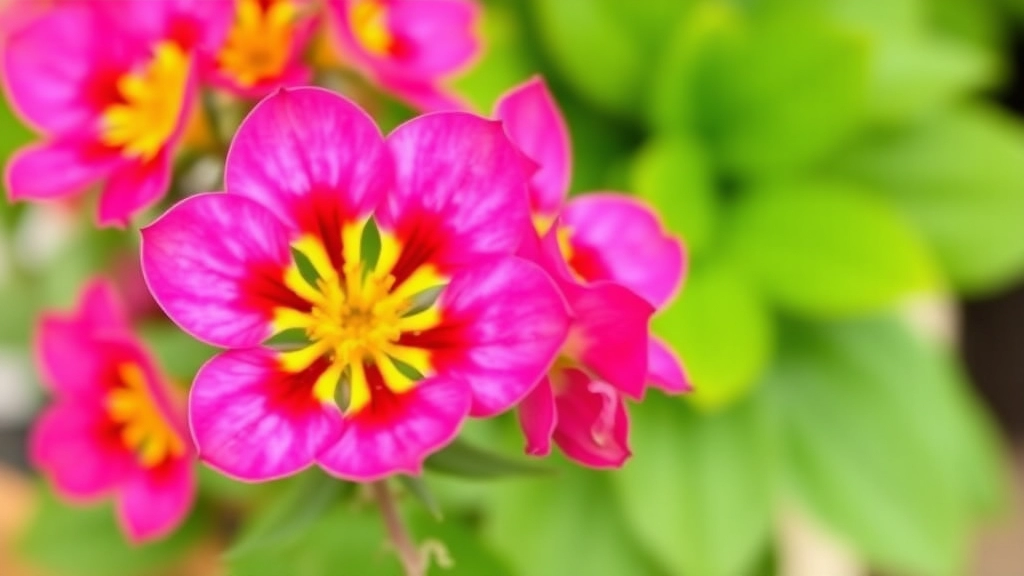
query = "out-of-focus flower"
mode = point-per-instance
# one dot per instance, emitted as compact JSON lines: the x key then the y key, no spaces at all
{"x":109,"y":86}
{"x":616,"y":265}
{"x":113,"y":429}
{"x":264,"y":47}
{"x":408,"y":321}
{"x":408,"y":47}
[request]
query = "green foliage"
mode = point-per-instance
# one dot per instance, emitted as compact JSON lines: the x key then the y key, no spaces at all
{"x":463,"y":459}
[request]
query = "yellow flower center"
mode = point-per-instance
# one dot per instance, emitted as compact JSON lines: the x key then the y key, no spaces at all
{"x":564,"y":236}
{"x":152,"y":100}
{"x":143,"y":427}
{"x":357,"y":316}
{"x":369,"y":20}
{"x":259,"y":43}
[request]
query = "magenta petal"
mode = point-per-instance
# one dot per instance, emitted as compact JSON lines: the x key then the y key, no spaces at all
{"x":593,"y":426}
{"x":664,"y":370}
{"x":252,"y":421}
{"x":619,"y":238}
{"x":609,"y":334}
{"x":303,"y":151}
{"x":460,"y":189}
{"x":100,"y":309}
{"x":419,"y":423}
{"x":538,"y":417}
{"x":133,"y":187}
{"x":153,"y":502}
{"x":502,"y":325}
{"x":69,"y":444}
{"x":56,"y":169}
{"x":200,"y":259}
{"x":534,"y":123}
{"x":432,"y":37}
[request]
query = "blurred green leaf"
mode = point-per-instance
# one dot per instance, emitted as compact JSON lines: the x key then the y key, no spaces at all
{"x":960,"y":179}
{"x":462,"y":545}
{"x":698,"y":490}
{"x":882,"y":442}
{"x":672,"y":174}
{"x":723,"y":330}
{"x":564,"y":525}
{"x":504,"y":63}
{"x":463,"y":459}
{"x":418,"y":489}
{"x":86,"y":541}
{"x":828,"y":249}
{"x":13,"y":135}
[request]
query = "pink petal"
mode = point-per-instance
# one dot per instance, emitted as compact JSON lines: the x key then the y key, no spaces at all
{"x":73,"y":445}
{"x":502,"y":324}
{"x":616,"y":237}
{"x":153,"y":502}
{"x":459,"y":193}
{"x":215,"y":264}
{"x":99,"y":308}
{"x":593,"y":426}
{"x":664,"y":370}
{"x":56,"y":169}
{"x":538,"y":417}
{"x":254,"y":422}
{"x":534,"y":123}
{"x":133,"y":187}
{"x":310,"y":156}
{"x":432,"y":38}
{"x":414,"y":425}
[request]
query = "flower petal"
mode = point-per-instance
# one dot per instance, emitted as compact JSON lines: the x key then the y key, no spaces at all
{"x":664,"y":370}
{"x":415,"y":424}
{"x":502,"y":323}
{"x":424,"y":96}
{"x":432,"y":38}
{"x":619,"y":238}
{"x":99,"y":308}
{"x":215,"y":264}
{"x":593,"y":426}
{"x":133,"y":187}
{"x":312,"y":157}
{"x":459,"y":194}
{"x":253,"y":421}
{"x":534,"y":123}
{"x":56,"y":169}
{"x":153,"y":502}
{"x":538,"y":417}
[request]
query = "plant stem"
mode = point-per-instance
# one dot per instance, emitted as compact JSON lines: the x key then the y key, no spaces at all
{"x":409,"y":554}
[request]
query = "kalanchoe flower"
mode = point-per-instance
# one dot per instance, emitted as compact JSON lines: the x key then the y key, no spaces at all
{"x":108,"y":85}
{"x":407,"y":322}
{"x":408,"y":47}
{"x":615,"y":264}
{"x":264,"y":48}
{"x":113,"y":429}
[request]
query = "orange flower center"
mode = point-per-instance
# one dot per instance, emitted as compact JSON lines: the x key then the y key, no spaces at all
{"x":259,"y":43}
{"x":369,"y":20}
{"x":143,"y":427}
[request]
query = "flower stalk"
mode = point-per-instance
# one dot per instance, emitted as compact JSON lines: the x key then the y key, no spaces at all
{"x":413,"y":560}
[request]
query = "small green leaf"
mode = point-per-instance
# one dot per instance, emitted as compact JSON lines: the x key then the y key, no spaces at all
{"x":418,"y":488}
{"x":723,"y":331}
{"x":828,"y":249}
{"x":462,"y":459}
{"x":698,"y":490}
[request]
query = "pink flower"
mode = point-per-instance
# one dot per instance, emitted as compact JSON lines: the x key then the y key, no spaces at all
{"x":263,"y":49}
{"x":616,"y":265}
{"x":112,"y":429}
{"x":408,"y":46}
{"x":385,"y":262}
{"x":108,"y":85}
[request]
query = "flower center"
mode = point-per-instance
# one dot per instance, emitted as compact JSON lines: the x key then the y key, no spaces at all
{"x":369,"y":20}
{"x":563,"y":235}
{"x":152,"y":101}
{"x":259,"y":43}
{"x":144,"y":430}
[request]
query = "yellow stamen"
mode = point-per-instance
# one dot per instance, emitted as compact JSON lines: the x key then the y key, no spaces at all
{"x":260,"y":41}
{"x":143,"y":427}
{"x":369,"y":19}
{"x":152,"y":102}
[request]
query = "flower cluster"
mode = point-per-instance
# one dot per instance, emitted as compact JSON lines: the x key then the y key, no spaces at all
{"x":369,"y":292}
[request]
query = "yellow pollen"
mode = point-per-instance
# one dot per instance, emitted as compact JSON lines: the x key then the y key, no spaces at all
{"x":143,"y":427}
{"x":563,"y":234}
{"x":259,"y":43}
{"x":152,"y":102}
{"x":369,"y":20}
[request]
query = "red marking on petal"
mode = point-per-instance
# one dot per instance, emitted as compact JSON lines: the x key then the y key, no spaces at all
{"x":292,"y":392}
{"x":264,"y":290}
{"x":321,"y":215}
{"x":421,"y":242}
{"x":586,"y":261}
{"x":385,"y":405}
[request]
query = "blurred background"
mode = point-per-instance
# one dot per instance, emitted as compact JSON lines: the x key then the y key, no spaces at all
{"x":848,"y":176}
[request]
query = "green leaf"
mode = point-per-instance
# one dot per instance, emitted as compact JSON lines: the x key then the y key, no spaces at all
{"x":698,"y":490}
{"x":419,"y":490}
{"x":828,"y":249}
{"x":86,"y":541}
{"x":565,"y":525}
{"x":723,"y":331}
{"x":293,"y":511}
{"x":462,"y":459}
{"x":883,"y":443}
{"x":13,"y":135}
{"x":960,"y":179}
{"x":672,"y":174}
